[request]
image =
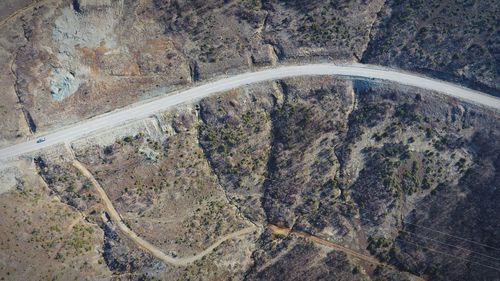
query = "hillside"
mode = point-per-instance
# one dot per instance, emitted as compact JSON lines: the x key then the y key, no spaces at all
{"x":70,"y":60}
{"x":303,"y":178}
{"x":402,"y":177}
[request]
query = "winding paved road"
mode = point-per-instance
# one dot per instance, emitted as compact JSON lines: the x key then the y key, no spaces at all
{"x":143,"y":110}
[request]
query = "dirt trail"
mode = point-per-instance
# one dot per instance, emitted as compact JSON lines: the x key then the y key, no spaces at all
{"x":143,"y":244}
{"x":18,"y":12}
{"x":286,"y":231}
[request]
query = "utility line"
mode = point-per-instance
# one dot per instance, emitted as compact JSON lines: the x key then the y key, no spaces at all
{"x":437,"y":241}
{"x":454,"y":236}
{"x":441,"y":232}
{"x":443,"y":243}
{"x":453,"y":256}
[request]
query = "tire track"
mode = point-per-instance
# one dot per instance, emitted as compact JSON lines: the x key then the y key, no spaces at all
{"x":145,"y":245}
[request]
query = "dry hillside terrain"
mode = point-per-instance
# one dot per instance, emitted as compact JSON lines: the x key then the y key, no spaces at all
{"x":339,"y":180}
{"x":70,"y":60}
{"x":304,"y":178}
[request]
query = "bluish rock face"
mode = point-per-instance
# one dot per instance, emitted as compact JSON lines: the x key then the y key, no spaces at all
{"x":75,"y":28}
{"x":62,"y":84}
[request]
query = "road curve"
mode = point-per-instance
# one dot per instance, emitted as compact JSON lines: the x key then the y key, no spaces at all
{"x":145,"y":245}
{"x":143,"y":110}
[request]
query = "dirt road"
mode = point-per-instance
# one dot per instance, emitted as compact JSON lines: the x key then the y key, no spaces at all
{"x":318,"y":240}
{"x":145,"y":245}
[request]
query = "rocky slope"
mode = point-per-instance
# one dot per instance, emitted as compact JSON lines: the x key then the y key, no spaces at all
{"x":404,"y":180}
{"x":452,"y":40}
{"x":100,"y":55}
{"x":341,"y":179}
{"x":70,"y":60}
